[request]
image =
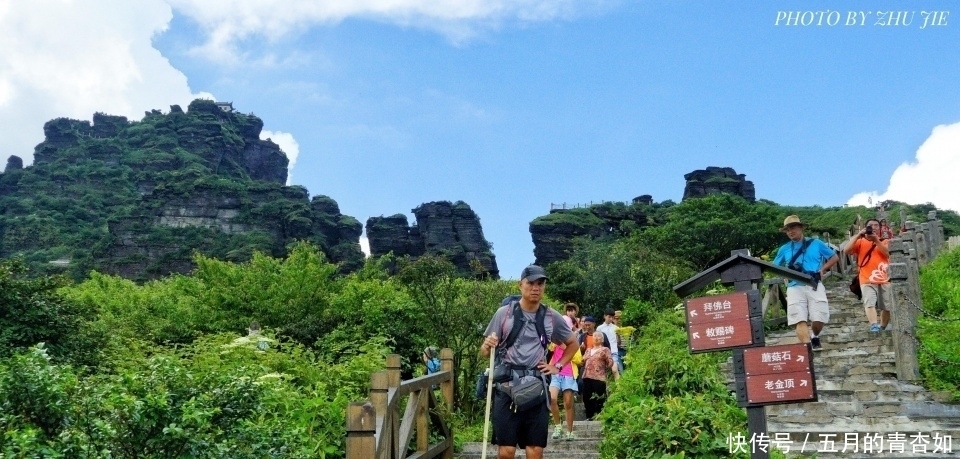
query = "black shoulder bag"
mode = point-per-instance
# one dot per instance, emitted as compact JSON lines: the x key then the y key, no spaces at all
{"x":793,"y":261}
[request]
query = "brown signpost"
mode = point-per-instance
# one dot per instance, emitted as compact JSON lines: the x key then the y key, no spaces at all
{"x":775,"y":374}
{"x":735,"y":320}
{"x":725,"y":321}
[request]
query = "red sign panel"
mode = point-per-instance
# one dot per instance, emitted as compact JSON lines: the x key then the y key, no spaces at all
{"x":717,"y":308}
{"x":720,"y":334}
{"x":787,"y":358}
{"x":781,"y":388}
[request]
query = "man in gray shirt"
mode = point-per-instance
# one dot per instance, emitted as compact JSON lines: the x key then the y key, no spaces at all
{"x":527,"y":356}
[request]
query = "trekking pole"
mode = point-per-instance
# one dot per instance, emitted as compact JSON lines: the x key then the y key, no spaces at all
{"x":486,"y":417}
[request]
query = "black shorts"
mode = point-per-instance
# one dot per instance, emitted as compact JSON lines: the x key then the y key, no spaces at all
{"x":523,"y":429}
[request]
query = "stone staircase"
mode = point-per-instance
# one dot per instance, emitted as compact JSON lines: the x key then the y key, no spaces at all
{"x":858,"y":393}
{"x":586,"y":446}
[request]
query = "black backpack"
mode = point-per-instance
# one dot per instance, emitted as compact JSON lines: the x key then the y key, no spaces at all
{"x":518,"y":325}
{"x":502,"y":347}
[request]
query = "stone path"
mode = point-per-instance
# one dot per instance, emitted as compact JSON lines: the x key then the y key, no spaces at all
{"x":858,"y":392}
{"x":586,"y":446}
{"x":859,"y":395}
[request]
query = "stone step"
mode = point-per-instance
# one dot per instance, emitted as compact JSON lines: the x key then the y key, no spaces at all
{"x":586,"y":446}
{"x":858,"y":391}
{"x":816,"y":412}
{"x":860,"y":369}
{"x":580,"y":444}
{"x":871,"y":396}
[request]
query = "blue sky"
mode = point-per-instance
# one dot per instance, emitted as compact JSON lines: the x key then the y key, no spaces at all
{"x":511,"y":105}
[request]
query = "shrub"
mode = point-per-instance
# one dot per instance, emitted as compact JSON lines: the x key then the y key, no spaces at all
{"x":940,"y":285}
{"x":670,"y":403}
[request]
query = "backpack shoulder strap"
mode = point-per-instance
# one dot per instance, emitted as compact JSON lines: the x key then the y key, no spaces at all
{"x":518,"y":325}
{"x":541,"y":327}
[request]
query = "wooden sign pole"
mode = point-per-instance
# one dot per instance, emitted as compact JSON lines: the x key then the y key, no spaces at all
{"x":743,"y":276}
{"x":744,"y":273}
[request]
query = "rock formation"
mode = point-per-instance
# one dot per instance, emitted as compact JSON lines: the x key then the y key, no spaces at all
{"x":137,"y":198}
{"x":716,"y":180}
{"x":554,"y":234}
{"x":442,"y":228}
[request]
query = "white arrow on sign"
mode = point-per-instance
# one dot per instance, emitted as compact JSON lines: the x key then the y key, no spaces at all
{"x":693,"y":313}
{"x":803,"y":382}
{"x":696,"y":335}
{"x":799,"y":358}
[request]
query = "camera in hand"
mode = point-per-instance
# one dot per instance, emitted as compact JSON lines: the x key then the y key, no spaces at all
{"x":868,"y":230}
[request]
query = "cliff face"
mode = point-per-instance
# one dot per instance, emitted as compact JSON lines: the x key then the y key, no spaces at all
{"x":716,"y":180}
{"x":137,"y":198}
{"x":554,"y":234}
{"x":442,"y":228}
{"x":231,"y":223}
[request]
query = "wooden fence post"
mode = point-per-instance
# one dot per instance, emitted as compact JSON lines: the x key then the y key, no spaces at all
{"x":446,"y":389}
{"x":361,"y":428}
{"x":902,"y":313}
{"x":379,"y":392}
{"x":393,"y":380}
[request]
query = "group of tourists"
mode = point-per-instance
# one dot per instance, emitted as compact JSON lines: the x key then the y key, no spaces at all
{"x":807,"y":306}
{"x":579,"y":362}
{"x":586,"y":374}
{"x":523,"y":332}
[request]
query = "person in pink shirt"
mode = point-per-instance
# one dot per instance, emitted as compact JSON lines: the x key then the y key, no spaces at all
{"x":565,"y":381}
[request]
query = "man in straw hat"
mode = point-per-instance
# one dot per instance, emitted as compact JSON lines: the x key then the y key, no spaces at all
{"x":806,"y":303}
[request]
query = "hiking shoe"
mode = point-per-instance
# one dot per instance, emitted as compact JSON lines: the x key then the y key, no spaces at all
{"x":557,"y":431}
{"x":875,"y":328}
{"x":570,"y":436}
{"x":815,"y":343}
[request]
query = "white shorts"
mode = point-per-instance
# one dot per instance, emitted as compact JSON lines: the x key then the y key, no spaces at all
{"x":804,"y":304}
{"x":877,"y":295}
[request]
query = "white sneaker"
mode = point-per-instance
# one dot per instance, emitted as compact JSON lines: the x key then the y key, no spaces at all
{"x":557,"y":432}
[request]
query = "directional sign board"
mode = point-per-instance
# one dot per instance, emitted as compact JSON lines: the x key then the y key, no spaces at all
{"x":775,"y":374}
{"x":727,"y":321}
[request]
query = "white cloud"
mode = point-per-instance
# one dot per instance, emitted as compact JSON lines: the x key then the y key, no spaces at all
{"x":228,"y":22}
{"x":930,"y":178}
{"x":287,"y":143}
{"x":71,"y":58}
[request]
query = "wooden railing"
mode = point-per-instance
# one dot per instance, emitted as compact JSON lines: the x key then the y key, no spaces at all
{"x":377,"y":430}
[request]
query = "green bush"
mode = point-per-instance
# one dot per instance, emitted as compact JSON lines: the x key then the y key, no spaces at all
{"x":32,"y":312}
{"x":221,"y":397}
{"x":940,"y":285}
{"x":703,"y":231}
{"x":604,"y":274}
{"x":670,"y":403}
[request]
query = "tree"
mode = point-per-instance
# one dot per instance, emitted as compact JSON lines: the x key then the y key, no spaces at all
{"x":604,"y":274}
{"x":455,"y":313}
{"x":32,"y":312}
{"x":703,"y":231}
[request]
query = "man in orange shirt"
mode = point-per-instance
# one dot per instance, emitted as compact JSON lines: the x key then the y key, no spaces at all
{"x":873,"y":258}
